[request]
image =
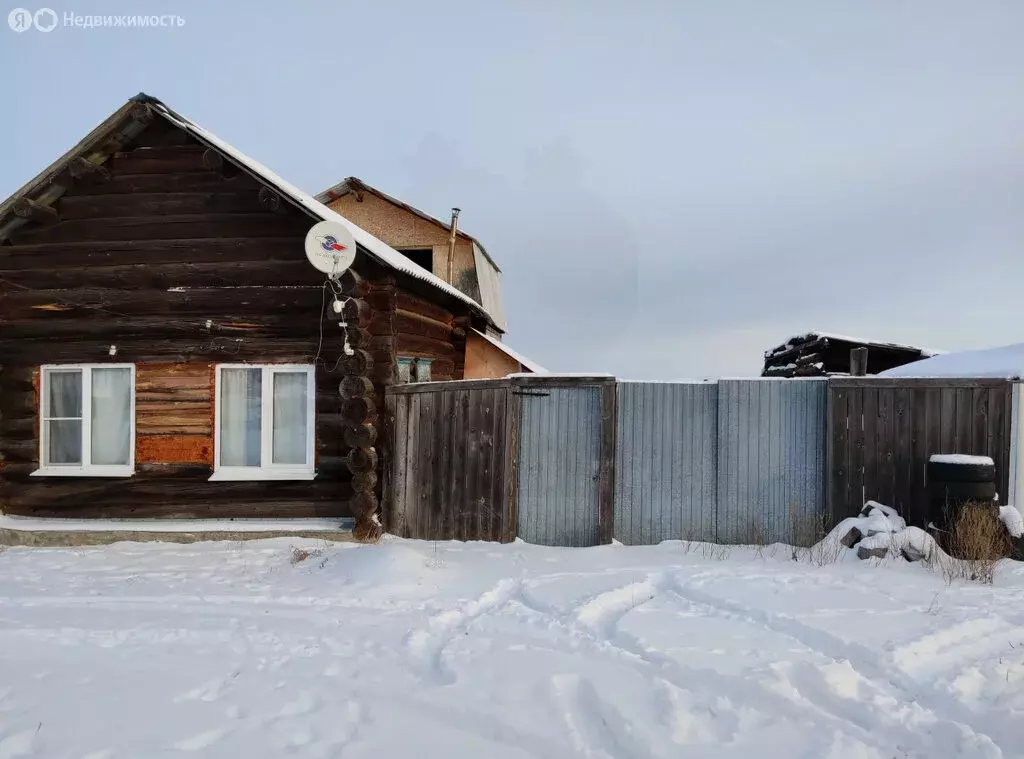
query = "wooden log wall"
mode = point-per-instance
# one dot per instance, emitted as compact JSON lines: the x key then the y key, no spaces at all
{"x":425,"y":330}
{"x":182,"y":263}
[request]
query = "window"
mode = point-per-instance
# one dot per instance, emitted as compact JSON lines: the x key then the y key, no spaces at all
{"x":413,"y":369}
{"x":421,"y":257}
{"x":423,"y":369}
{"x":264,"y":422}
{"x":87,"y":420}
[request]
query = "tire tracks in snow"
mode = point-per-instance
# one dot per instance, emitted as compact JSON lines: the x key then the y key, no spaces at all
{"x":597,"y":621}
{"x":426,"y":645}
{"x":953,"y":724}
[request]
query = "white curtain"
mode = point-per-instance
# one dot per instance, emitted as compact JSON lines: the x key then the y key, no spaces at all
{"x":290,"y":417}
{"x":64,"y":417}
{"x":240,"y":416}
{"x":111,"y":415}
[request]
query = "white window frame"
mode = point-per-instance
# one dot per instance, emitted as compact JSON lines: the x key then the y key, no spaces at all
{"x":268,"y":470}
{"x":86,"y":468}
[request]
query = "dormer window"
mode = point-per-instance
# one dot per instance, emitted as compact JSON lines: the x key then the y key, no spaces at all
{"x":423,"y":257}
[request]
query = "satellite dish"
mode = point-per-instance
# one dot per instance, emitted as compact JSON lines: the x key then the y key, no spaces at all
{"x":330,"y":247}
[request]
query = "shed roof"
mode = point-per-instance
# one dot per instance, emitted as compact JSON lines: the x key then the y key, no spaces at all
{"x":518,"y":357}
{"x":41,"y":190}
{"x":810,"y":337}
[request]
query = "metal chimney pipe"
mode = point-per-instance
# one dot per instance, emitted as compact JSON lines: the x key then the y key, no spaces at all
{"x":451,"y":245}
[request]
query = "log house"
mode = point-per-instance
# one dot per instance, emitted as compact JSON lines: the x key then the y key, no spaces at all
{"x":161,"y":334}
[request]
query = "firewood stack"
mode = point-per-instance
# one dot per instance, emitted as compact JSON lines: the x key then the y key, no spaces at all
{"x":817,"y":354}
{"x":802,"y":356}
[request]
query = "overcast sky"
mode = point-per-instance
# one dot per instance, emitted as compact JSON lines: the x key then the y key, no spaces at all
{"x":670,"y":188}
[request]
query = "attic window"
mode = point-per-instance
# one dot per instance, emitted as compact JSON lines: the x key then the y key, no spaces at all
{"x":423,"y":257}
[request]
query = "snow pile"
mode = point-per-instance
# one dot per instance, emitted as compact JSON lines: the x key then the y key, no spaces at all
{"x":880,"y":532}
{"x":1013,"y":520}
{"x":1006,"y":361}
{"x":467,"y":650}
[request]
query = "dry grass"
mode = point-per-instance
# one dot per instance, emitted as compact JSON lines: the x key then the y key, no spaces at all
{"x":976,"y":541}
{"x":300,"y":555}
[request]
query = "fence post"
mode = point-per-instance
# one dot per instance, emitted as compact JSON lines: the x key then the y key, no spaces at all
{"x":859,"y":362}
{"x":606,"y":473}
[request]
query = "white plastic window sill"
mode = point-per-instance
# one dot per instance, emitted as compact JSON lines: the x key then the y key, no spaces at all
{"x":240,"y":474}
{"x":81,"y":471}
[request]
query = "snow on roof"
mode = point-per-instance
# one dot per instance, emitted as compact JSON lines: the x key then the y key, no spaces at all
{"x":815,"y":334}
{"x":377,"y":248}
{"x":1005,"y":361}
{"x":526,"y":363}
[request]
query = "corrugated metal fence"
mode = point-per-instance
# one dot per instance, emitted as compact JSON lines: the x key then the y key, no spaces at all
{"x":666,"y":459}
{"x":730,"y":462}
{"x":771,"y":460}
{"x":566,"y":442}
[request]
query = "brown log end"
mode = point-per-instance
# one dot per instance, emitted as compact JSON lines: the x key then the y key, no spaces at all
{"x":367,"y":531}
{"x":358,"y":337}
{"x":364,"y":481}
{"x":360,"y":363}
{"x":362,"y":436}
{"x":357,"y":311}
{"x":355,"y":387}
{"x":356,"y":411}
{"x":349,"y":281}
{"x":361,"y":460}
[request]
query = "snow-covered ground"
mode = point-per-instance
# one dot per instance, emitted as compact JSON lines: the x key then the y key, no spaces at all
{"x":478,"y":650}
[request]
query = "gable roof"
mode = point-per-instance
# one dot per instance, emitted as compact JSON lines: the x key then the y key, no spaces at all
{"x":354,"y":184}
{"x":129,"y":120}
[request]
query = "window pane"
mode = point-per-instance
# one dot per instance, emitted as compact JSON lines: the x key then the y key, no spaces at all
{"x":64,"y":395}
{"x":65,"y":442}
{"x":111,"y":415}
{"x":290,"y":417}
{"x":240,"y":415}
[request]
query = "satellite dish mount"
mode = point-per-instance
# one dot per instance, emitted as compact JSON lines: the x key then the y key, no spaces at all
{"x":330,"y":247}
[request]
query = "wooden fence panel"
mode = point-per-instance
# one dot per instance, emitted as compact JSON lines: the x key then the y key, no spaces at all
{"x":882,"y":432}
{"x":450,"y":461}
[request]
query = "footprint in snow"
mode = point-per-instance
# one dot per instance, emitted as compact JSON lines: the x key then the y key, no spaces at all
{"x":304,"y":704}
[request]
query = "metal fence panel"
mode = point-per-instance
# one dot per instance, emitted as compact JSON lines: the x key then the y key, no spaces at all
{"x":559,"y":465}
{"x":666,"y":459}
{"x":771,"y":460}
